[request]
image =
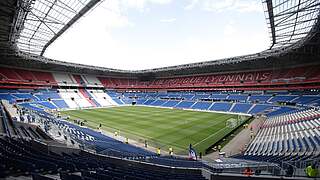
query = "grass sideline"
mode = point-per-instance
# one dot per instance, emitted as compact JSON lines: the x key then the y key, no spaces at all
{"x":161,"y":127}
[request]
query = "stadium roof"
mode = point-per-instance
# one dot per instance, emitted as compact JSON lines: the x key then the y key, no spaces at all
{"x":294,"y":27}
{"x":291,"y":21}
{"x":43,"y":21}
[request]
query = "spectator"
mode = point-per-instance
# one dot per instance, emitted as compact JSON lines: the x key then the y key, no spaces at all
{"x":170,"y":151}
{"x":219,"y":147}
{"x":257,"y":172}
{"x":158,"y":151}
{"x":289,"y":171}
{"x":247,"y":172}
{"x":311,"y":171}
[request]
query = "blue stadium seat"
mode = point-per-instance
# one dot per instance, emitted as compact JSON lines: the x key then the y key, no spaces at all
{"x":60,"y":104}
{"x":241,"y":107}
{"x":202,"y":105}
{"x":260,"y":98}
{"x":170,"y":103}
{"x":185,"y":104}
{"x":259,"y":108}
{"x":221,"y":106}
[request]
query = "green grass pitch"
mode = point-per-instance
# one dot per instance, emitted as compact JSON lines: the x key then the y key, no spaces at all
{"x":161,"y":127}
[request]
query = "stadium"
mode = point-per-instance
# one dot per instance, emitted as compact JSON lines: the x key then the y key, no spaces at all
{"x":255,"y":116}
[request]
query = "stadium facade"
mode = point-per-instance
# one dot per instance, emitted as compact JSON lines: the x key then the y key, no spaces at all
{"x":281,"y":83}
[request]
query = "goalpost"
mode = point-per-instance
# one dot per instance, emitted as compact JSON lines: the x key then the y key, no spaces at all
{"x":232,"y":122}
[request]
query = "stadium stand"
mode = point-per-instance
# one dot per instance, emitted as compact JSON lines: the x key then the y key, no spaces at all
{"x":225,"y":80}
{"x":32,"y":156}
{"x":31,"y":77}
{"x":278,"y":86}
{"x":290,"y":136}
{"x":82,"y":98}
{"x":260,"y":78}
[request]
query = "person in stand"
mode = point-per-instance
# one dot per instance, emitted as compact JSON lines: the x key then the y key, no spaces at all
{"x":219,"y":147}
{"x":311,"y":171}
{"x":289,"y":171}
{"x":158,"y":151}
{"x":248,"y":172}
{"x":200,"y":155}
{"x":170,"y":151}
{"x":251,"y":135}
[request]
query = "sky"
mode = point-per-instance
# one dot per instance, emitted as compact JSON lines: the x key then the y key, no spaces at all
{"x":145,"y":34}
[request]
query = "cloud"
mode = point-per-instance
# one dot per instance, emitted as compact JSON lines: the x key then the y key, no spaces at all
{"x":229,"y":29}
{"x":170,"y":20}
{"x":191,"y":5}
{"x":233,"y":5}
{"x":115,"y":12}
{"x":140,"y":5}
{"x":93,"y":41}
{"x":160,"y":1}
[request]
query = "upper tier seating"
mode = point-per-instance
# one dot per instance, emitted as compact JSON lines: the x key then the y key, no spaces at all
{"x":282,"y":98}
{"x":236,"y":97}
{"x":91,"y":80}
{"x":260,"y":98}
{"x":254,"y":79}
{"x":257,"y":78}
{"x":26,"y":76}
{"x":64,"y":79}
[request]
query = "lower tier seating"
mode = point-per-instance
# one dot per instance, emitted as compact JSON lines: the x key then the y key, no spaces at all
{"x":290,"y":136}
{"x":20,"y":156}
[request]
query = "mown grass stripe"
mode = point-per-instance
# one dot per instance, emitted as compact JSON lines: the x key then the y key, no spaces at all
{"x":164,"y":127}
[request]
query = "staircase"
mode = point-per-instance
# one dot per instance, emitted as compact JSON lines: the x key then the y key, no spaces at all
{"x":87,"y":96}
{"x":254,"y":105}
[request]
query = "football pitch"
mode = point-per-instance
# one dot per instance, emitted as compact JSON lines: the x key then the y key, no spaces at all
{"x":160,"y":127}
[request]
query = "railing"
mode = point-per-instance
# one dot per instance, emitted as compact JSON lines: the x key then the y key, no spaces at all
{"x":4,"y":118}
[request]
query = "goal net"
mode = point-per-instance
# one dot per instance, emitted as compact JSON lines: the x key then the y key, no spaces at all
{"x":234,"y":122}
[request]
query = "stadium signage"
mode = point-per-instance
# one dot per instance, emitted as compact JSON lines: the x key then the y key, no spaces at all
{"x":235,"y":77}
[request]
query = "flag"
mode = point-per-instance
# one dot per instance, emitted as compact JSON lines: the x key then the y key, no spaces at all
{"x":192,"y":153}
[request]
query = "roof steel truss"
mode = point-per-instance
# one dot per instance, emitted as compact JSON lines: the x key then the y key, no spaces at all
{"x":45,"y":20}
{"x":291,"y":21}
